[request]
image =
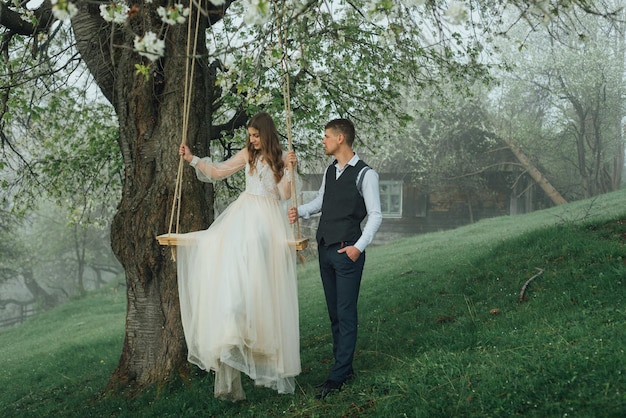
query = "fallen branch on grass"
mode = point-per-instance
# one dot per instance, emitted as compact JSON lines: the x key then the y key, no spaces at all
{"x":521,"y":293}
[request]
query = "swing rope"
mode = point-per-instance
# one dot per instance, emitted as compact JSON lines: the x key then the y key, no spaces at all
{"x":189,"y":74}
{"x":168,"y":239}
{"x":282,"y":36}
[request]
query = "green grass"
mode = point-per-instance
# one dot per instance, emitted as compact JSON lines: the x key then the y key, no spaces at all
{"x":428,"y":344}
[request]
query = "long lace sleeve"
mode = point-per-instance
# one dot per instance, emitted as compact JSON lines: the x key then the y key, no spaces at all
{"x":207,"y":170}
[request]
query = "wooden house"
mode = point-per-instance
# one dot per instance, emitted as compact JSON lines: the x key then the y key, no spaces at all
{"x":409,"y":210}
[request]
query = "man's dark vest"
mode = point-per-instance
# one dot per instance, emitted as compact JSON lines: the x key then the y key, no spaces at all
{"x":343,"y":207}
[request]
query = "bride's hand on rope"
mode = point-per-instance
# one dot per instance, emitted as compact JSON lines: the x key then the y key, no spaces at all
{"x":291,"y":159}
{"x":185,"y":152}
{"x":292,"y":214}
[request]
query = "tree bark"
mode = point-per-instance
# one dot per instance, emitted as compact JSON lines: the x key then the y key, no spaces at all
{"x":95,"y":40}
{"x":150,"y":132}
{"x":150,"y":113}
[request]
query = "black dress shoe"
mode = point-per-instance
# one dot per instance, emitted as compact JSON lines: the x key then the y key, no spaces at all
{"x":320,"y":385}
{"x":327,"y":388}
{"x":349,"y":377}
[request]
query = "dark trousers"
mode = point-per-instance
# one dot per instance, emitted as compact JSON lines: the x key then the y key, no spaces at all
{"x":341,"y":278}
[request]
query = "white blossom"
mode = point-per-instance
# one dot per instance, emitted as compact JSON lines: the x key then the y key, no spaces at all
{"x":371,"y":6}
{"x":114,"y":12}
{"x":457,"y":13}
{"x":388,"y":37}
{"x":173,"y":14}
{"x":414,"y":2}
{"x":257,"y":11}
{"x":149,"y":46}
{"x":28,"y":16}
{"x":260,"y":98}
{"x":63,"y":9}
{"x":225,"y":79}
{"x":271,"y":57}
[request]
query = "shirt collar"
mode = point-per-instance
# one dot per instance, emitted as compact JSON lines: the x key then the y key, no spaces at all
{"x":355,"y":159}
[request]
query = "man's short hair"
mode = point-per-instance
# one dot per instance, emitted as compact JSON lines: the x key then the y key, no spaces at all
{"x":343,"y":126}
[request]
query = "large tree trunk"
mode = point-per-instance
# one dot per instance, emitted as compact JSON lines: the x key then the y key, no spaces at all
{"x":150,"y":113}
{"x":151,"y":117}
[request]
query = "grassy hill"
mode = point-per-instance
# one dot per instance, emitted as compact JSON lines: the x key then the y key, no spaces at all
{"x":442,"y":333}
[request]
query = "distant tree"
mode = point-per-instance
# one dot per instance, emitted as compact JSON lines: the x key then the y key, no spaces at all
{"x":53,"y":259}
{"x":65,"y":163}
{"x":447,"y":141}
{"x":56,"y":156}
{"x":14,"y":266}
{"x":8,"y":225}
{"x":563,"y":104}
{"x":69,"y":257}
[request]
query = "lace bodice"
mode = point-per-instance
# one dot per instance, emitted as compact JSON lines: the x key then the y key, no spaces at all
{"x":261,"y":182}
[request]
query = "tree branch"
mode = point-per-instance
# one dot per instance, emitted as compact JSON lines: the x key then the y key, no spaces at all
{"x":13,"y":21}
{"x":521,"y":293}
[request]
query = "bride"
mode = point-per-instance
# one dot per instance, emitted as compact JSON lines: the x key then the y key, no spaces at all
{"x":237,"y":279}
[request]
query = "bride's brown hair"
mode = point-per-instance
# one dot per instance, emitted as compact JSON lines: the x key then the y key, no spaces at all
{"x":271,"y":150}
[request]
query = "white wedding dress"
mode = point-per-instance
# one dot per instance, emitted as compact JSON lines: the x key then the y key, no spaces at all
{"x":238,"y":290}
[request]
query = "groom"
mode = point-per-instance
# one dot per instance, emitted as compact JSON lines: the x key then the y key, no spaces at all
{"x":348,"y":194}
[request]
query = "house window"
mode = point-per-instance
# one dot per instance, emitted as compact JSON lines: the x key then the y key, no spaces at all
{"x":391,"y":198}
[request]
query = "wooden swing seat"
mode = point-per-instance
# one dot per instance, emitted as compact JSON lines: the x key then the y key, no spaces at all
{"x":300,"y":243}
{"x":177,"y":239}
{"x":170,"y":239}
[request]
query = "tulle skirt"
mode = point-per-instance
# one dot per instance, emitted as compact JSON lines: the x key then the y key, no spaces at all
{"x":238,"y":297}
